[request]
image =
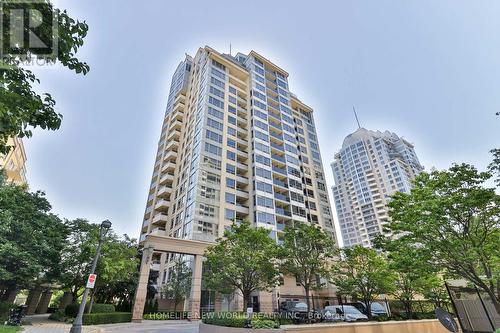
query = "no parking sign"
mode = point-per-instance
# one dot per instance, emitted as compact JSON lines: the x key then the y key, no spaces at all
{"x":91,"y":281}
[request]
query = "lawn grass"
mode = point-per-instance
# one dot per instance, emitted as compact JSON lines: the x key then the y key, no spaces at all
{"x":9,"y":329}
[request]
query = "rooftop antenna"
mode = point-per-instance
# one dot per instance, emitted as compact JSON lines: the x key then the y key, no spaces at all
{"x":230,"y":49}
{"x":356,"y":115}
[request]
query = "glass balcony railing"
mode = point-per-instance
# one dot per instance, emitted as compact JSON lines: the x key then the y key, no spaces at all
{"x":282,"y":211}
{"x":280,"y":170}
{"x":281,"y":197}
{"x":280,"y":183}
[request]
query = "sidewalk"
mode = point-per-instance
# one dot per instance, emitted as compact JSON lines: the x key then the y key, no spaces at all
{"x":42,"y":324}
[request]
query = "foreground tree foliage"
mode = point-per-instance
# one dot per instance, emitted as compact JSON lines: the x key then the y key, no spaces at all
{"x":363,"y":274}
{"x":306,"y":254}
{"x":244,"y":261}
{"x":456,"y":218}
{"x":117,"y":267}
{"x":21,"y":107}
{"x":178,"y":285}
{"x":414,"y":273}
{"x":31,"y":240}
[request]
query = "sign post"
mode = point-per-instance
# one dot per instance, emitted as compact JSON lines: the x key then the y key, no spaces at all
{"x":91,"y":281}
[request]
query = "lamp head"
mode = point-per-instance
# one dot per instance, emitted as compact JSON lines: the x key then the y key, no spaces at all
{"x":106,"y":224}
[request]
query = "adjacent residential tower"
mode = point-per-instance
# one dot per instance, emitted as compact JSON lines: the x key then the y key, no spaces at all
{"x":368,"y":169}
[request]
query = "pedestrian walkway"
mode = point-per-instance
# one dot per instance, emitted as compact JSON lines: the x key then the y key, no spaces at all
{"x":42,"y":324}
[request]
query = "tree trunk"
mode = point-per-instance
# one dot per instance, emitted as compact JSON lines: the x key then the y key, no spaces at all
{"x":91,"y":303}
{"x":307,"y":298}
{"x":368,"y":309}
{"x":246,"y":301}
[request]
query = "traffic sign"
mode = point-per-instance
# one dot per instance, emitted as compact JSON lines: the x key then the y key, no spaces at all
{"x":91,"y":281}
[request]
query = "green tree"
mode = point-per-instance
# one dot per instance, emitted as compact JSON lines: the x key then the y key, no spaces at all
{"x":31,"y":239}
{"x":178,"y":285}
{"x":306,"y":254}
{"x":413,"y":271}
{"x":21,"y":107}
{"x":116,"y":268}
{"x":453,"y":215}
{"x":362,"y":273}
{"x":243,"y":260}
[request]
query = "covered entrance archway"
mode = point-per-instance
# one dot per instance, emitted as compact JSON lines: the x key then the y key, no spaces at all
{"x":158,"y":243}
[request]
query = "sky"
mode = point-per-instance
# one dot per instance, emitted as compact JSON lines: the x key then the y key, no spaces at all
{"x":426,"y":70}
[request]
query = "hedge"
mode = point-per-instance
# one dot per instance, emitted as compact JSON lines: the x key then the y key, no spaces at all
{"x":237,"y":319}
{"x":106,"y":318}
{"x":5,"y":310}
{"x":167,"y":315}
{"x":72,"y":309}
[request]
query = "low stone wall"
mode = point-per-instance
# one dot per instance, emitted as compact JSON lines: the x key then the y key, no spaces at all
{"x":408,"y":326}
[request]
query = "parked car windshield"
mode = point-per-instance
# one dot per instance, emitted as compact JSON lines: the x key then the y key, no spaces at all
{"x":349,"y":309}
{"x":300,"y":305}
{"x":377,"y":307}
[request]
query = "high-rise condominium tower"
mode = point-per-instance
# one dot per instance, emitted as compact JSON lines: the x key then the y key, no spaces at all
{"x":235,"y":144}
{"x":367,"y":170}
{"x":14,"y":162}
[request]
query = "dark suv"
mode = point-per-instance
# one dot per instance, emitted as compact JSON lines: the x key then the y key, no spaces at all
{"x":297,"y":312}
{"x":378,"y":309}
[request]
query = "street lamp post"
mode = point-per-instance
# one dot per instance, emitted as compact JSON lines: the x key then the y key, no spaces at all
{"x":77,"y":324}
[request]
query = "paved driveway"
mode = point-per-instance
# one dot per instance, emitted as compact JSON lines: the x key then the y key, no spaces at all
{"x":41,"y":324}
{"x":152,"y":326}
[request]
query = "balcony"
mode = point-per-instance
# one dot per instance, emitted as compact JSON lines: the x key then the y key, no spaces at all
{"x":168,"y":167}
{"x":164,"y":192}
{"x":278,"y":158}
{"x":176,"y":125}
{"x":162,"y":205}
{"x":173,"y":135}
{"x":178,"y":115}
{"x":280,"y":183}
{"x":241,"y":193}
{"x":274,"y":135}
{"x":283,"y":212}
{"x":170,"y":156}
{"x":278,"y":147}
{"x":275,"y":125}
{"x":281,"y":197}
{"x":171,"y":144}
{"x":167,"y":179}
{"x":280,"y":170}
{"x":160,"y":218}
{"x":241,"y":209}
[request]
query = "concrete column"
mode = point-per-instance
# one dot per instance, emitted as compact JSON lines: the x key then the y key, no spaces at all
{"x":142,"y":287}
{"x":195,"y":299}
{"x":43,"y":305}
{"x":32,"y":300}
{"x":66,"y":299}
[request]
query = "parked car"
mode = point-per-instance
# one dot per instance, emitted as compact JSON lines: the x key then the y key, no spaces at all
{"x":342,"y":313}
{"x":297,"y":311}
{"x":378,"y":309}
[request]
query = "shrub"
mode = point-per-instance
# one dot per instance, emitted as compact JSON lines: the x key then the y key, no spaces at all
{"x":4,"y":310}
{"x":227,"y":319}
{"x":265,"y":323}
{"x":72,"y":309}
{"x":381,"y":318}
{"x":58,"y":316}
{"x":169,"y":315}
{"x":106,"y":318}
{"x":101,"y":308}
{"x":237,"y":319}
